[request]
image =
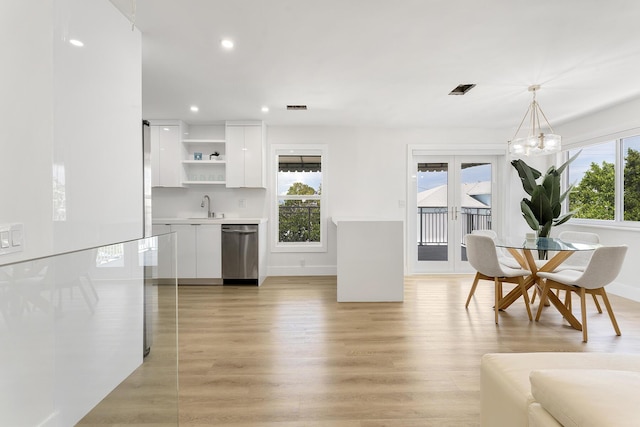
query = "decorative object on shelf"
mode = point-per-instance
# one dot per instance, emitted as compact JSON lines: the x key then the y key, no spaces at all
{"x":536,"y":142}
{"x":197,"y":156}
{"x":542,"y":210}
{"x":214,"y":156}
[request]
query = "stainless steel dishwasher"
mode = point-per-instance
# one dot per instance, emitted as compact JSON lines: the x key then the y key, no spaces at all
{"x":240,"y":254}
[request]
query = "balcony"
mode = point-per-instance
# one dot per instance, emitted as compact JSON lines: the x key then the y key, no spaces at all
{"x":433,"y":229}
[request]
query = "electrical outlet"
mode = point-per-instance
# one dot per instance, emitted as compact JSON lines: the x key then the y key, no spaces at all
{"x":242,"y":203}
{"x":303,"y":262}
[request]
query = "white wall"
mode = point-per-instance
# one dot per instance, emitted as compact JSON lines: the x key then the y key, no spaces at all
{"x":71,"y":109}
{"x":26,"y":108}
{"x":78,"y":110}
{"x":622,"y":118}
{"x":366,"y":177}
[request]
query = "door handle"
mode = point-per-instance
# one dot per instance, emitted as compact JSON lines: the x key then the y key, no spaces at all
{"x":454,"y":214}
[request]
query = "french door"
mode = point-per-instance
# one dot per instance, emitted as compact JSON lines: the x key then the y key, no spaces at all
{"x":451,"y":197}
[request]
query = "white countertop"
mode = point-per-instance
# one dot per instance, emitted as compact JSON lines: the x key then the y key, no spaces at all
{"x":234,"y":220}
{"x":337,"y":219}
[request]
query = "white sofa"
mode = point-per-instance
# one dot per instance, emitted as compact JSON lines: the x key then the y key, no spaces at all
{"x":560,"y":389}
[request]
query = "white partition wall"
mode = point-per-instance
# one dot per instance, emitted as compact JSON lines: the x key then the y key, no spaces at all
{"x":70,"y":143}
{"x":71,"y":330}
{"x":370,"y":260}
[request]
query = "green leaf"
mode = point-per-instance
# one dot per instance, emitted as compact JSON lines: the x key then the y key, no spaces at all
{"x":527,"y":174}
{"x":562,"y":168}
{"x":564,"y":218}
{"x":541,"y":206}
{"x":564,"y":195}
{"x":528,"y":215}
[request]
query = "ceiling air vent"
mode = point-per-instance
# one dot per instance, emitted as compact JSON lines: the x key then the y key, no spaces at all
{"x":296,"y":107}
{"x":462,"y":89}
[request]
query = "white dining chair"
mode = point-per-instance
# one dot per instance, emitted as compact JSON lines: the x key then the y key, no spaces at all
{"x":604,"y":266}
{"x":577,"y":261}
{"x":503,"y":256}
{"x":580,"y":259}
{"x":482,"y":255}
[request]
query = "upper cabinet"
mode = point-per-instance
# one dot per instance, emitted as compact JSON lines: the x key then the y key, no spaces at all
{"x":184,"y":155}
{"x":165,"y":153}
{"x":245,"y":154}
{"x":203,"y":155}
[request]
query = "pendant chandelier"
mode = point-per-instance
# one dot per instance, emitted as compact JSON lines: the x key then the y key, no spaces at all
{"x":536,"y":142}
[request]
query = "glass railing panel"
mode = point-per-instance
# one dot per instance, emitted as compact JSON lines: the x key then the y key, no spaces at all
{"x":75,"y":329}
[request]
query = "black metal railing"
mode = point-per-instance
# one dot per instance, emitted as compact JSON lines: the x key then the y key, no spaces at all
{"x":433,"y":223}
{"x":299,"y":223}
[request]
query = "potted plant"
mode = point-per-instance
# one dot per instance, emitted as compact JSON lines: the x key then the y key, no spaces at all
{"x":542,"y":209}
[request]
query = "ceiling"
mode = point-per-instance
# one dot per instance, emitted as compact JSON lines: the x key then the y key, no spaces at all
{"x":385,"y":63}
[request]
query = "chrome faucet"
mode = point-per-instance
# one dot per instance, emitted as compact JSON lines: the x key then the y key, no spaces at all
{"x":209,"y":213}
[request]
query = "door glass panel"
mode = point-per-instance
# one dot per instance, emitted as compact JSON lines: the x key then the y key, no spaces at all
{"x":475,"y":200}
{"x":432,"y":203}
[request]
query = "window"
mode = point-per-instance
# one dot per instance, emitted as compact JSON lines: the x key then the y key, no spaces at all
{"x":606,"y":181}
{"x":300,"y":199}
{"x":631,"y":178}
{"x":593,"y":175}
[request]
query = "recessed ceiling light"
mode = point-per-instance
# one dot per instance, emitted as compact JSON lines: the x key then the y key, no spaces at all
{"x":194,"y":108}
{"x":166,"y":129}
{"x":76,"y":43}
{"x":265,"y":109}
{"x":227,"y":44}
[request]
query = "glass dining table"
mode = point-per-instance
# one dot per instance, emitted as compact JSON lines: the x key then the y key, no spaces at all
{"x":524,"y":251}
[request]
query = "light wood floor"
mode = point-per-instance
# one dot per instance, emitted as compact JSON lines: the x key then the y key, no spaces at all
{"x":287,"y":354}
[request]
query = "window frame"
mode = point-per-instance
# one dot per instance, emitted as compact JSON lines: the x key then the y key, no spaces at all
{"x":618,"y":140}
{"x":298,"y":149}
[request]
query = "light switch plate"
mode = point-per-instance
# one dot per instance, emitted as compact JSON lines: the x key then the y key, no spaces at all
{"x":11,"y":238}
{"x":4,"y":239}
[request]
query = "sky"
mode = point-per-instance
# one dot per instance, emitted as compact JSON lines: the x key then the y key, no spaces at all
{"x":598,"y":153}
{"x":286,"y":179}
{"x":429,"y":180}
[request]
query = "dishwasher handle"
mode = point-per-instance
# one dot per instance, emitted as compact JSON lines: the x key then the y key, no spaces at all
{"x":239,"y":231}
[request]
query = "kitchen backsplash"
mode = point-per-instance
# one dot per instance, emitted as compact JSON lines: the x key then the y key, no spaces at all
{"x":185,"y":202}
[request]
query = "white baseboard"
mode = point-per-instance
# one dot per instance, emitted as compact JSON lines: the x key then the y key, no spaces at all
{"x":625,"y":291}
{"x":316,"y":270}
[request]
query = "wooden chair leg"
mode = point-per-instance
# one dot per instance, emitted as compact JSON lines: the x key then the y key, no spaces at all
{"x":595,"y":300}
{"x":525,"y":296}
{"x":567,"y":300}
{"x":498,"y":288}
{"x":543,"y":295}
{"x":535,"y":292}
{"x":473,"y":289}
{"x":583,"y":307}
{"x":605,"y":299}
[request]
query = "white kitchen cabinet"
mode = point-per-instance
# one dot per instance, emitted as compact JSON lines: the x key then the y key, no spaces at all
{"x":199,"y":251}
{"x":186,"y":249}
{"x":245,"y":154}
{"x":208,"y":251}
{"x":166,"y":263}
{"x":166,"y":170}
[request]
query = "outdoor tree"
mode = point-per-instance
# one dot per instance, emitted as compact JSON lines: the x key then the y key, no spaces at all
{"x":632,"y":186}
{"x":299,"y":220}
{"x":594,"y":196}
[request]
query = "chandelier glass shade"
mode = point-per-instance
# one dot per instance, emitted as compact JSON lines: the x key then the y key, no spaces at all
{"x":536,"y":142}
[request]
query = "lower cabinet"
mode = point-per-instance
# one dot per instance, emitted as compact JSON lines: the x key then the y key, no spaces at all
{"x":208,"y":251}
{"x":199,"y":252}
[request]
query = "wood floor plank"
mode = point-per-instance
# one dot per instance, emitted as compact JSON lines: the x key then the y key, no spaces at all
{"x":287,"y":354}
